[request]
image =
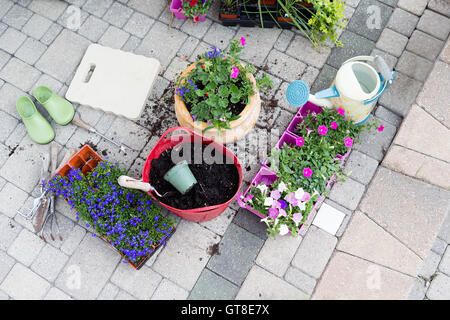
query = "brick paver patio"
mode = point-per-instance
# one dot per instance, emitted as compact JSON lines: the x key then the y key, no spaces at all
{"x":394,"y":238}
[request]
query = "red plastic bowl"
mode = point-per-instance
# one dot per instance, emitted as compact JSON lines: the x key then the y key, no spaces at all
{"x":170,"y":139}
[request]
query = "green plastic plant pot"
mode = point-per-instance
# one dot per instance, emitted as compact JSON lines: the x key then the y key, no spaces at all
{"x":181,"y":177}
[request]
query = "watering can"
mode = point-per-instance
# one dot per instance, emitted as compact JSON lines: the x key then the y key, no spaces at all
{"x":355,"y":89}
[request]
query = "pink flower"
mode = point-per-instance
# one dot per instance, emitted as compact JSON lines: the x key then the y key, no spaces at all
{"x":273,"y":213}
{"x":334,"y":125}
{"x":235,"y":73}
{"x":282,"y":213}
{"x":248,"y":198}
{"x":299,"y":141}
{"x":307,"y":172}
{"x":309,"y":130}
{"x":242,"y":41}
{"x":239,"y":200}
{"x":322,"y":130}
{"x":305,"y":197}
{"x":275,"y":194}
{"x":291,"y":199}
{"x":341,"y":111}
{"x":348,"y":142}
{"x":380,"y":128}
{"x":297,"y":217}
{"x":195,"y":19}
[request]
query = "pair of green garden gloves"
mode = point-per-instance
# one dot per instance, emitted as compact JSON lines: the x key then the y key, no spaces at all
{"x":37,"y":126}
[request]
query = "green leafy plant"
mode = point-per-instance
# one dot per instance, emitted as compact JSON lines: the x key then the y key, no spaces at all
{"x":131,"y":222}
{"x":304,"y":169}
{"x":195,"y":8}
{"x":218,"y":88}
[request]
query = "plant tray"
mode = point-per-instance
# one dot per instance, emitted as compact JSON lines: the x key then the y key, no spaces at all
{"x":87,"y":159}
{"x":267,"y":176}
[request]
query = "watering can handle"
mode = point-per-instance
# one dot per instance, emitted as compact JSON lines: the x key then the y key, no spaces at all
{"x":131,"y":183}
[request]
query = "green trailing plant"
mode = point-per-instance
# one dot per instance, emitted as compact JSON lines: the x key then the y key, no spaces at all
{"x":195,"y":8}
{"x":304,"y":170}
{"x":218,"y":88}
{"x":130,"y":221}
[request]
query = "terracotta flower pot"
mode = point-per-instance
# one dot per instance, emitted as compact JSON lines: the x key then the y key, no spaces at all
{"x":239,"y":127}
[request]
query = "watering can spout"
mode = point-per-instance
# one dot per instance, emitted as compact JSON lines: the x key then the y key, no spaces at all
{"x":321,"y":97}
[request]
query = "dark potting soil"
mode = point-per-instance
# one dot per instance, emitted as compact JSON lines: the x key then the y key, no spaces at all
{"x":217,"y":182}
{"x":229,"y":10}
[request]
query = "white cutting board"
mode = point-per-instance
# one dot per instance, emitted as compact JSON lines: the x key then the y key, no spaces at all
{"x":113,"y":80}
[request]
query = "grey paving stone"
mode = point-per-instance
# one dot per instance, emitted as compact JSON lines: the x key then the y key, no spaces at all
{"x":31,"y":51}
{"x":286,"y":67}
{"x":4,"y":155}
{"x":11,"y":40}
{"x":109,"y":292}
{"x":441,"y":6}
{"x":114,"y":38}
{"x":88,"y":269}
{"x":415,"y":6}
{"x":434,"y":24}
{"x":352,"y":3}
{"x":258,"y":44}
{"x":10,"y":229}
{"x":97,"y":7}
{"x":186,"y":254}
{"x":23,"y":3}
{"x":375,"y":143}
{"x":46,"y":80}
{"x":36,"y":26}
{"x":23,"y":284}
{"x":392,"y":42}
{"x":93,"y":28}
{"x":51,"y":34}
{"x":161,"y":43}
{"x":56,"y":294}
{"x":439,"y":288}
{"x":324,"y":79}
{"x":354,"y":45}
{"x":17,"y":16}
{"x":140,"y":284}
{"x":77,"y":3}
{"x":131,"y":44}
{"x":60,"y":65}
{"x":5,"y":5}
{"x":444,"y":233}
{"x":219,"y":36}
{"x":439,"y":246}
{"x":401,"y":94}
{"x":366,"y":25}
{"x":166,"y":17}
{"x":211,"y":286}
{"x":284,"y":39}
{"x":389,"y":203}
{"x":250,"y":222}
{"x":176,"y":67}
{"x":220,"y":224}
{"x":20,"y":74}
{"x":11,"y":198}
{"x":418,"y":290}
{"x":424,"y":45}
{"x":48,"y":8}
{"x":387,"y":115}
{"x":263,"y":285}
{"x":414,"y":66}
{"x":391,"y":3}
{"x":300,"y":280}
{"x":6,"y":263}
{"x":9,"y":123}
{"x":301,"y":48}
{"x":361,"y":167}
{"x":430,"y":265}
{"x":277,"y":253}
{"x":138,"y":24}
{"x":444,"y":266}
{"x":49,"y":262}
{"x":3,"y":27}
{"x":167,"y":290}
{"x":26,"y":247}
{"x":3,"y":296}
{"x":403,"y":22}
{"x":238,"y":249}
{"x":197,"y":30}
{"x":72,"y":241}
{"x":152,"y":8}
{"x":314,"y":252}
{"x":188,"y":47}
{"x":347,"y":193}
{"x":118,"y":14}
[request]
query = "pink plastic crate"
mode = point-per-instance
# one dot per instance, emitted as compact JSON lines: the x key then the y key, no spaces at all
{"x":267,"y":176}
